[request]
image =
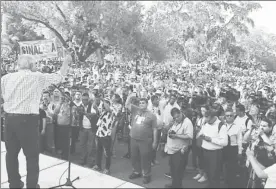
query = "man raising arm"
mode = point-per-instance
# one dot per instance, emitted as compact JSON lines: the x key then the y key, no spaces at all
{"x":21,"y":93}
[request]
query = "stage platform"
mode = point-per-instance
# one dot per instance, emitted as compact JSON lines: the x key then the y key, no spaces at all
{"x":3,"y":147}
{"x":51,"y":170}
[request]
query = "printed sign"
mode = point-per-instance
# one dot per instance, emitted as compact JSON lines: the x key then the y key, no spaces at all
{"x":197,"y":66}
{"x":40,"y":49}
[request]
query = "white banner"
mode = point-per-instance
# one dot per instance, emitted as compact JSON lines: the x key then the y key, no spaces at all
{"x":40,"y":49}
{"x":196,"y":66}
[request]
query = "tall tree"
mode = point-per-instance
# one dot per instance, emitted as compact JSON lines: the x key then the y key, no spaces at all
{"x":261,"y":48}
{"x":202,"y":29}
{"x":21,"y":30}
{"x":86,"y":27}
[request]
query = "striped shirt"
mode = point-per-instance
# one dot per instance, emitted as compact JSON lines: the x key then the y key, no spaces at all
{"x":22,"y":90}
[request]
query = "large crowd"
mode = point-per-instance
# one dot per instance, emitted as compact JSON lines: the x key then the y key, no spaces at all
{"x":225,"y":118}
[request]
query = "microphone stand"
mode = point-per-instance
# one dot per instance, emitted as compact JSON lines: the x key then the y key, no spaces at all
{"x":68,"y":182}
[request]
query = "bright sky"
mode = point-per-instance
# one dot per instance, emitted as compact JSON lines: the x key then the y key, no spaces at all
{"x":263,"y":18}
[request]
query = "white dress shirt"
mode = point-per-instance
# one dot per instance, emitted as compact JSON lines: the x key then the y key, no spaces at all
{"x":235,"y":134}
{"x":22,"y":90}
{"x":219,"y":139}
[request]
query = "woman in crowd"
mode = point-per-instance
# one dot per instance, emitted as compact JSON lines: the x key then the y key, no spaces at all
{"x":254,"y":113}
{"x":201,"y":176}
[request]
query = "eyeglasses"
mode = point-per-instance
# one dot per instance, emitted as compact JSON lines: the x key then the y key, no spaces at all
{"x":229,"y":115}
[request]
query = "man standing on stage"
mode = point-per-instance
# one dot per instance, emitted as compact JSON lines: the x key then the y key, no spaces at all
{"x":21,"y":92}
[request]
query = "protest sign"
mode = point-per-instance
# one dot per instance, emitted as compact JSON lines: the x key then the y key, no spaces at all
{"x":196,"y":66}
{"x":40,"y":49}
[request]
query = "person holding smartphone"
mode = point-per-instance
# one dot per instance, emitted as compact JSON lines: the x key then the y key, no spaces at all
{"x":178,"y":140}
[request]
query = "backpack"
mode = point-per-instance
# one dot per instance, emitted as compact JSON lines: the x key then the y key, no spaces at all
{"x":246,"y":122}
{"x":219,"y":127}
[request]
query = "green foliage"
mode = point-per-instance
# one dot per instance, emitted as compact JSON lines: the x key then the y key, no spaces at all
{"x":189,"y":30}
{"x":261,"y":47}
{"x":201,"y":29}
{"x":86,"y":26}
{"x":23,"y":31}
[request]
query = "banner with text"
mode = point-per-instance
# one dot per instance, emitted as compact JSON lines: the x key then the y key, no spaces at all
{"x":196,"y":66}
{"x":40,"y":49}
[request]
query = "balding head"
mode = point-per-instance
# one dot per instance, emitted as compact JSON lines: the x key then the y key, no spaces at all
{"x":26,"y":62}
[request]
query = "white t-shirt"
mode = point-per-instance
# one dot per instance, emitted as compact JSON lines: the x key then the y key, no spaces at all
{"x":240,"y":121}
{"x":271,"y":173}
{"x":86,"y":122}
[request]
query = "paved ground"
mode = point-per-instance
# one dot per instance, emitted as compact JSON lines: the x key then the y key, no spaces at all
{"x":121,"y":168}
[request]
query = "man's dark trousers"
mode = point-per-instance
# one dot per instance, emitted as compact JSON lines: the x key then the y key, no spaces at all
{"x":22,"y":131}
{"x":141,"y":156}
{"x":212,"y":164}
{"x":177,"y":163}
